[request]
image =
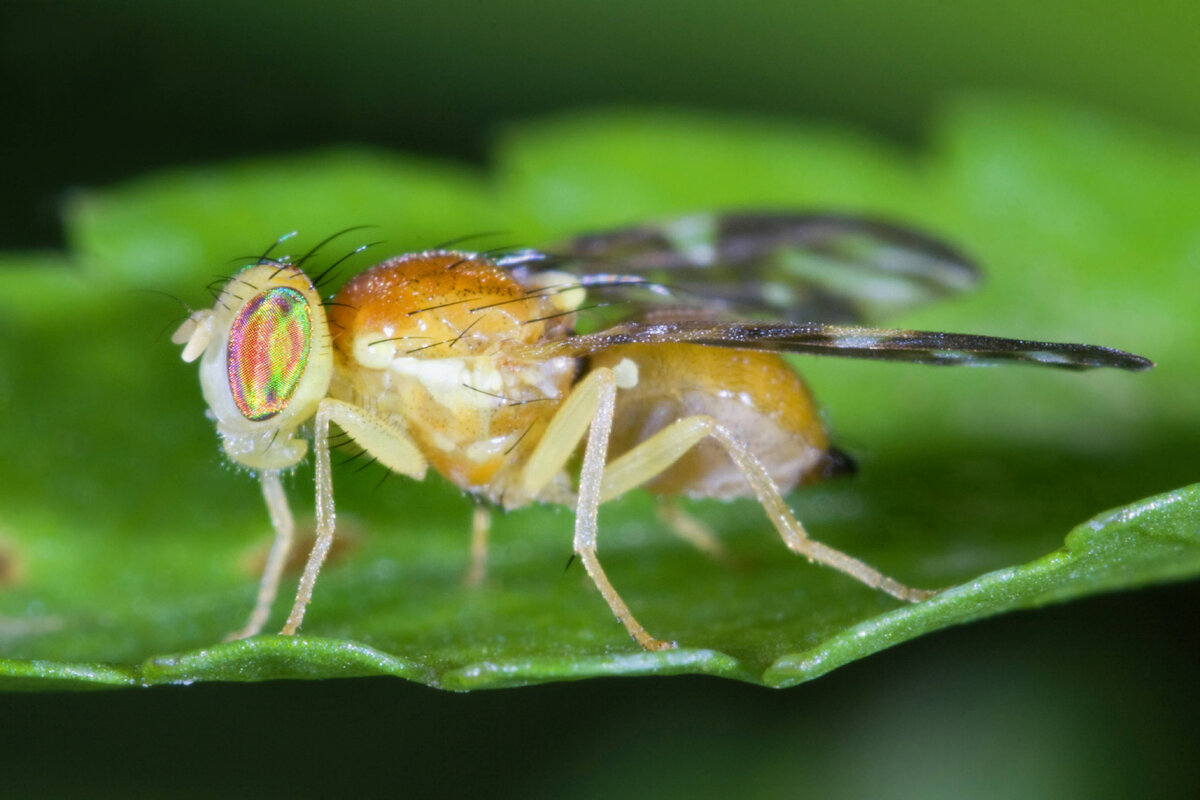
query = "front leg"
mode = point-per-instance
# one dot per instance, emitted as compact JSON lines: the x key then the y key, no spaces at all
{"x":268,"y":585}
{"x":391,"y":446}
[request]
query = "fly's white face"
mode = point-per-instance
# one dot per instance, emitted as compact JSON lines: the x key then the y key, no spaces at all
{"x":265,"y":362}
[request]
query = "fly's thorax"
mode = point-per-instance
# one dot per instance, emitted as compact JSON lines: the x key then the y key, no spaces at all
{"x":445,"y":344}
{"x":443,"y":304}
{"x":471,"y":415}
{"x":265,"y":362}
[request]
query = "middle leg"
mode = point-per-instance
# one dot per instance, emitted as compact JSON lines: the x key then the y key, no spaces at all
{"x":588,"y":409}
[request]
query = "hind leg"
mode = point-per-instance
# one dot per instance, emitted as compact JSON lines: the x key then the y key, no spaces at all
{"x":692,"y":531}
{"x":653,"y":456}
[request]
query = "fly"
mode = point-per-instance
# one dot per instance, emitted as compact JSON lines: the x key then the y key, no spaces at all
{"x":472,"y":365}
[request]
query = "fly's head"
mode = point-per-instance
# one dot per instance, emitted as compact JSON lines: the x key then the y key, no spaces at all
{"x":265,"y":362}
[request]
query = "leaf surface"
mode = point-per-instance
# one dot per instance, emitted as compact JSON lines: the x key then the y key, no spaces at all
{"x":128,"y":546}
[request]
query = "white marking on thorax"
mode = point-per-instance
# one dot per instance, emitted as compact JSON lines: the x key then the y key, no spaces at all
{"x":486,"y":450}
{"x":626,"y":373}
{"x":446,"y":379}
{"x":478,"y":382}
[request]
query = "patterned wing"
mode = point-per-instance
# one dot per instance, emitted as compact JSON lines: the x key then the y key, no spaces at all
{"x":782,"y":266}
{"x":916,"y":347}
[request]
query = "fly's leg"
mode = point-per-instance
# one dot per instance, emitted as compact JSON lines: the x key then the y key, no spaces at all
{"x":588,"y":409}
{"x":281,"y":521}
{"x":390,"y":445}
{"x":591,"y":477}
{"x":651,"y":457}
{"x":693,"y":531}
{"x":481,"y":525}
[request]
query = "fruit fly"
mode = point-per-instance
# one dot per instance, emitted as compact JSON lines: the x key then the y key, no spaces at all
{"x":471,"y":364}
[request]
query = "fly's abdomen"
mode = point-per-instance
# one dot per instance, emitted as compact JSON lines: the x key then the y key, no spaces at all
{"x":757,"y":396}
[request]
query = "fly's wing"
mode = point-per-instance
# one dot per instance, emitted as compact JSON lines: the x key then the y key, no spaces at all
{"x":811,"y":269}
{"x":782,"y":266}
{"x":916,"y":347}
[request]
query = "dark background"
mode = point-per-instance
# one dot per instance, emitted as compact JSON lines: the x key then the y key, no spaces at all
{"x":97,"y":92}
{"x":1094,"y":699}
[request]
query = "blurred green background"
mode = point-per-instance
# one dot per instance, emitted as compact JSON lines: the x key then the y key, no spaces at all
{"x":1093,"y":699}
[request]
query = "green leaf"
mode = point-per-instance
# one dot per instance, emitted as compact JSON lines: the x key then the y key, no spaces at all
{"x":128,"y":546}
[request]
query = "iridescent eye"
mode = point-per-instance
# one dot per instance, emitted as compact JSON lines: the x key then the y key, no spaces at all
{"x":269,"y":345}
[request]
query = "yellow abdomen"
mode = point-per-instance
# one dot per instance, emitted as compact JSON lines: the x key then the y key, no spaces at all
{"x":757,"y":396}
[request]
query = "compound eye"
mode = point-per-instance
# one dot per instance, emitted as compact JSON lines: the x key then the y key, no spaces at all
{"x":269,"y":345}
